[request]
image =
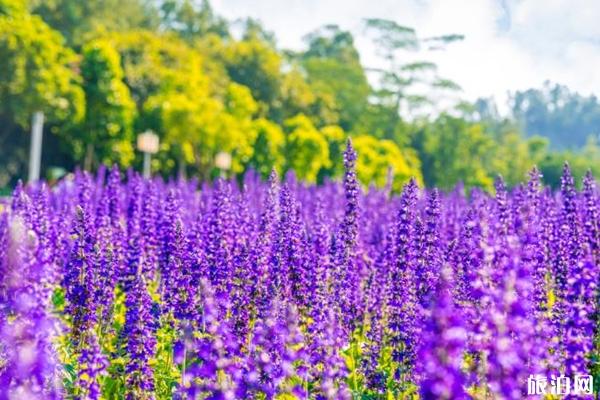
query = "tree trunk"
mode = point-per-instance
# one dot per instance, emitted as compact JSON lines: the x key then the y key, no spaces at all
{"x":89,"y":157}
{"x":182,"y":165}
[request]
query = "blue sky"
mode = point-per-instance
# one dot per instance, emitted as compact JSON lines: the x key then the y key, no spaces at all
{"x":509,"y":44}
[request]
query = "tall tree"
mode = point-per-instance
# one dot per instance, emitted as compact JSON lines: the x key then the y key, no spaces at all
{"x":80,"y":21}
{"x":106,"y":133}
{"x":333,"y":69}
{"x":38,"y":74}
{"x":192,"y":19}
{"x":256,"y":64}
{"x":269,"y":148}
{"x":154,"y":63}
{"x":454,"y":150}
{"x":307,"y":151}
{"x":565,"y":117}
{"x":401,"y":83}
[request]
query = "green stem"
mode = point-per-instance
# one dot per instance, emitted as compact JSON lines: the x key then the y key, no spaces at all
{"x":183,"y":367}
{"x":355,"y":363}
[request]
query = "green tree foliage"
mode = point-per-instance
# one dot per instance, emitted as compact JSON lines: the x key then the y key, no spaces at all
{"x":198,"y":128}
{"x":238,"y":134}
{"x":333,"y":70}
{"x":513,"y":157}
{"x":552,"y":163}
{"x":453,"y":150}
{"x":269,"y":147}
{"x":80,"y":21}
{"x":298,"y":97}
{"x":13,"y":7}
{"x":107,"y":130}
{"x":336,"y":141}
{"x":37,"y":71}
{"x":401,"y":83}
{"x":191,"y":20}
{"x":307,"y":151}
{"x":255,"y":64}
{"x":187,"y":126}
{"x":173,"y":95}
{"x":566,"y":118}
{"x":172,"y":66}
{"x":155,"y":63}
{"x":166,"y":80}
{"x":253,"y":29}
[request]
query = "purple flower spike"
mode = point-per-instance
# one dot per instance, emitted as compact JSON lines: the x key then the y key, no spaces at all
{"x":442,"y":349}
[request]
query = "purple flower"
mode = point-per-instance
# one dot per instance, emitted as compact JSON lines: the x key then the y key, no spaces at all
{"x":404,"y":318}
{"x":139,"y":332}
{"x":275,"y":354}
{"x":428,"y":255}
{"x":346,"y":284}
{"x":442,"y":348}
{"x":81,"y":269}
{"x":209,"y":366}
{"x":591,"y":226}
{"x":174,"y":276}
{"x":92,"y":366}
{"x":29,"y":367}
{"x":271,"y":290}
{"x":148,"y":225}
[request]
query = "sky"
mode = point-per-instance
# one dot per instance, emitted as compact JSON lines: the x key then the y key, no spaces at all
{"x":509,"y":44}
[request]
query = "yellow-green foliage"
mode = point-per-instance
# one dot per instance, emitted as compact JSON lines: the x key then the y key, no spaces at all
{"x":36,"y":70}
{"x":349,"y":94}
{"x":457,"y":150}
{"x":297,"y":95}
{"x":336,"y":140}
{"x":376,"y":157}
{"x":203,"y":126}
{"x":110,"y":110}
{"x":184,"y":121}
{"x":514,"y":157}
{"x":179,"y":72}
{"x":156,"y":64}
{"x":255,"y":64}
{"x":13,"y":7}
{"x":238,"y":129}
{"x":307,"y":150}
{"x":268,"y":147}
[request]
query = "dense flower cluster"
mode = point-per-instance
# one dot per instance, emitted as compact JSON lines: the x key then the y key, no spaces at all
{"x":114,"y":286}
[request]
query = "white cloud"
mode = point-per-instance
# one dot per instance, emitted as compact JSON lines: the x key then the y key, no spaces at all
{"x":509,"y":44}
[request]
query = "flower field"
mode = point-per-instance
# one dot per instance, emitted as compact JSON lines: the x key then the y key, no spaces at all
{"x":115,"y":287}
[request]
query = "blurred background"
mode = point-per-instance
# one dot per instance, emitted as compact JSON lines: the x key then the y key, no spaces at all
{"x":445,"y":91}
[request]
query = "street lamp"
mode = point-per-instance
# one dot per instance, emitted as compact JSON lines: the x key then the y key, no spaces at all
{"x":223,"y":161}
{"x":147,"y":143}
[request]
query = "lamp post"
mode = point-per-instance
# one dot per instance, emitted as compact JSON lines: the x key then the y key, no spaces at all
{"x":223,"y":162}
{"x":147,"y":143}
{"x":35,"y":153}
